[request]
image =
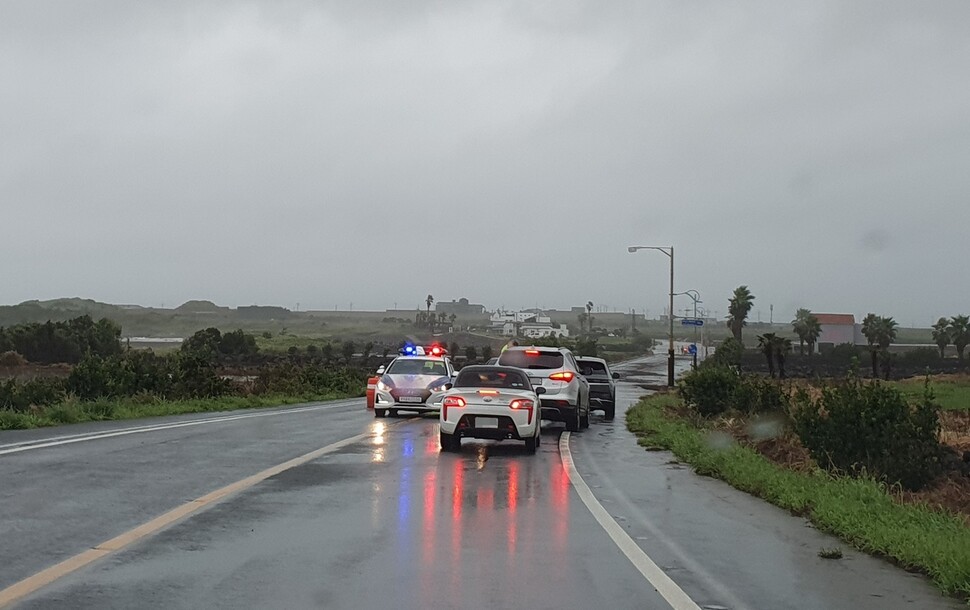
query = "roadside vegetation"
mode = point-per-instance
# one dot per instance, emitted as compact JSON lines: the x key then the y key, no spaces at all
{"x":882,"y":462}
{"x":212,"y":371}
{"x":755,"y":446}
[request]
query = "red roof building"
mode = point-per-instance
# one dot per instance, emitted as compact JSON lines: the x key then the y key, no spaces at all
{"x":838,"y":328}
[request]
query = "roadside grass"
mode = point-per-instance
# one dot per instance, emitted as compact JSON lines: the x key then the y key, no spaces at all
{"x":76,"y":411}
{"x":952,"y":392}
{"x":859,"y":511}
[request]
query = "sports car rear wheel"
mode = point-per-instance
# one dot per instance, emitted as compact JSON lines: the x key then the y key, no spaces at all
{"x":530,"y":444}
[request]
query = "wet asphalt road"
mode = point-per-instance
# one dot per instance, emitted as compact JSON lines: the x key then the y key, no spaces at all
{"x":390,"y":521}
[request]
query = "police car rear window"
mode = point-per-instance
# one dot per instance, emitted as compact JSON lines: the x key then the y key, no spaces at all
{"x":531,"y":359}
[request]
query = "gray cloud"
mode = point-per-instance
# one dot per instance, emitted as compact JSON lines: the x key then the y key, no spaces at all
{"x":328,"y":153}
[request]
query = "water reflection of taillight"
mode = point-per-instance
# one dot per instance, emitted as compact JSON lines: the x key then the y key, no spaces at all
{"x":428,"y":517}
{"x":560,"y":503}
{"x":513,"y":502}
{"x":451,"y":402}
{"x":456,"y":492}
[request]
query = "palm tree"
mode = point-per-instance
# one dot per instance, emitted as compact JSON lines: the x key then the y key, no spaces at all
{"x":589,"y":316}
{"x":428,"y":301}
{"x":582,"y":320}
{"x":870,"y":329}
{"x":813,"y":330}
{"x":959,"y":328}
{"x":739,"y":305}
{"x":767,"y":343}
{"x":941,"y":335}
{"x":775,"y":349}
{"x":800,"y":328}
{"x":782,"y":347}
{"x":880,"y":332}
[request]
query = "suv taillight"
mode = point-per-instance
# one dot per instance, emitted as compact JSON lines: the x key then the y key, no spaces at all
{"x":566,"y":376}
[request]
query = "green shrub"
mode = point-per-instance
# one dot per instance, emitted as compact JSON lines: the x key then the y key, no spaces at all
{"x":709,"y":390}
{"x":871,"y":429}
{"x":20,"y":397}
{"x":728,"y":353}
{"x":757,"y":394}
{"x":12,"y":359}
{"x":845,"y":353}
{"x":919,"y":357}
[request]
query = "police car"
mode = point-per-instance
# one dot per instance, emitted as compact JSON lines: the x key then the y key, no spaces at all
{"x":414,"y":381}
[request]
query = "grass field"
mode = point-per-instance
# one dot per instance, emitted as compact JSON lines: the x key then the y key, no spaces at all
{"x":952,"y":392}
{"x":859,"y":511}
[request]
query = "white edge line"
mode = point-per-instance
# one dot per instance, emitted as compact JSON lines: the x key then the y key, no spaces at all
{"x":668,"y":589}
{"x":80,"y":438}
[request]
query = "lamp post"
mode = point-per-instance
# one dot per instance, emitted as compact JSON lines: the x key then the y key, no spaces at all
{"x":669,"y":251}
{"x":696,"y":297}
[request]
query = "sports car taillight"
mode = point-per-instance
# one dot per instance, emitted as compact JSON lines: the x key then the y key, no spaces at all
{"x":566,"y":376}
{"x":455,"y":402}
{"x":523,"y":404}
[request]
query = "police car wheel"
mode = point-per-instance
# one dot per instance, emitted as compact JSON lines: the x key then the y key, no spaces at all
{"x":380,"y":412}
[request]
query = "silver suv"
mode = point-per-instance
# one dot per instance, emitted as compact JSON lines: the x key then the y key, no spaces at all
{"x":566,"y":396}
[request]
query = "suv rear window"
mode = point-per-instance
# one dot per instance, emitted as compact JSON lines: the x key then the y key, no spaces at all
{"x":531,"y":359}
{"x":591,"y":367}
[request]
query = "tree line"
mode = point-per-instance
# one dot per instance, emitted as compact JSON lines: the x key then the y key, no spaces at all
{"x":69,"y":341}
{"x":880,"y":333}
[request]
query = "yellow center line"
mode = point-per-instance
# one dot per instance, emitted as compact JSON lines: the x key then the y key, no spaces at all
{"x":41,"y":579}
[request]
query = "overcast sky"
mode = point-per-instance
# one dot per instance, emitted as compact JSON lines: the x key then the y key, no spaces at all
{"x":329,"y":153}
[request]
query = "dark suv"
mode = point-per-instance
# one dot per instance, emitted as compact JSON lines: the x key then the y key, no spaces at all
{"x":602,"y":384}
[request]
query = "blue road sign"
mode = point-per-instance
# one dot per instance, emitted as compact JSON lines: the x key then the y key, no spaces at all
{"x":692,"y":349}
{"x":692,"y":322}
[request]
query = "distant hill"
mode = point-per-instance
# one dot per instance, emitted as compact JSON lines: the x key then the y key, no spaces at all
{"x":191,"y":307}
{"x":56,"y":310}
{"x":70,"y":304}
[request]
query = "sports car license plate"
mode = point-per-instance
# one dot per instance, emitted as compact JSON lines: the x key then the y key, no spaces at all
{"x":410,"y":399}
{"x":486,"y":422}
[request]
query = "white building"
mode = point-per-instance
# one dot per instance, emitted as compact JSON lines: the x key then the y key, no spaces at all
{"x":539,"y":331}
{"x":531,"y":324}
{"x":499,"y":318}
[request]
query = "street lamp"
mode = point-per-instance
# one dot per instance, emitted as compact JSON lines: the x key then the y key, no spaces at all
{"x":669,"y":251}
{"x":696,"y":297}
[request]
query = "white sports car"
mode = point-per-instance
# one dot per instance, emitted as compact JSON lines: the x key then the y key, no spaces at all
{"x":493,"y":402}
